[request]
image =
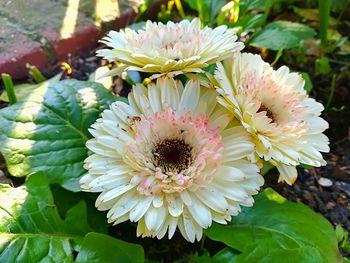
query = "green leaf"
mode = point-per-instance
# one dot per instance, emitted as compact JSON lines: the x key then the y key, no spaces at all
{"x":275,"y":229}
{"x":207,"y":9}
{"x":101,"y":248}
{"x":308,"y":83}
{"x":31,"y":229}
{"x":67,"y":199}
{"x":226,"y":255}
{"x":281,"y":34}
{"x":249,"y":22}
{"x":264,"y":5}
{"x":322,"y":66}
{"x":47,"y":131}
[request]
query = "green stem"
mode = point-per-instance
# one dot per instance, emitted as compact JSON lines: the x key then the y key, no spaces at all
{"x":330,"y":98}
{"x":202,"y":242}
{"x":9,"y":87}
{"x":344,"y":9}
{"x":180,"y":8}
{"x":324,"y":8}
{"x":278,"y":55}
{"x":339,"y":62}
{"x":35,"y":73}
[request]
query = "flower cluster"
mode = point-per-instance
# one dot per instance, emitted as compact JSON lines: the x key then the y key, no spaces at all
{"x":184,"y":152}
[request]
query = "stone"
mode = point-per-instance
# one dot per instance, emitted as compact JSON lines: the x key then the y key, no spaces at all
{"x":325,"y":182}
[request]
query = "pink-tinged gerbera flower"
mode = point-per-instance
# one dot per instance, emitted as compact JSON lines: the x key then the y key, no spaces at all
{"x":170,"y":49}
{"x":274,"y":107}
{"x":169,"y":160}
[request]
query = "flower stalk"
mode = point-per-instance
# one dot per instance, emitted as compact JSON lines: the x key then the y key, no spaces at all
{"x":9,"y":87}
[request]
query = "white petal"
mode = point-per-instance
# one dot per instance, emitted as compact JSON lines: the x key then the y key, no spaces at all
{"x":169,"y":94}
{"x":140,"y":209}
{"x":287,"y":173}
{"x":212,"y":198}
{"x":115,"y":192}
{"x":123,"y":206}
{"x":200,"y":213}
{"x":189,"y":98}
{"x":186,"y":198}
{"x":154,"y":98}
{"x":175,"y":205}
{"x":172,"y":226}
{"x":154,"y":218}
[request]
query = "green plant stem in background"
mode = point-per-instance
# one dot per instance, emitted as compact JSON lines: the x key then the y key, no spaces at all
{"x":180,"y":8}
{"x":202,"y":242}
{"x":324,"y":7}
{"x":331,"y":94}
{"x":344,"y":9}
{"x":35,"y":73}
{"x":339,"y":62}
{"x":278,"y":55}
{"x":10,"y":88}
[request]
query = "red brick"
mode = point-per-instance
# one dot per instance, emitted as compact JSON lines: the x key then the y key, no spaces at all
{"x":84,"y":38}
{"x":17,"y":50}
{"x":34,"y":23}
{"x":126,"y":18}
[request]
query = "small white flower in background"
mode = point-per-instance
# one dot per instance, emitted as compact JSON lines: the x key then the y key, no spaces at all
{"x":169,"y":160}
{"x":170,"y":49}
{"x":273,"y":106}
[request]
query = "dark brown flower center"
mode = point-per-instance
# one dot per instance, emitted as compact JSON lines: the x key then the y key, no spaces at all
{"x":269,"y":113}
{"x":172,"y":155}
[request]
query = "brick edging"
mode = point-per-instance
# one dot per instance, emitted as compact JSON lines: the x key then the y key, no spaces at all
{"x":45,"y":58}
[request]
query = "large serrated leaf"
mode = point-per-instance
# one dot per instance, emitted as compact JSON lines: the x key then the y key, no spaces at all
{"x":47,"y":131}
{"x":31,"y":229}
{"x":275,"y":229}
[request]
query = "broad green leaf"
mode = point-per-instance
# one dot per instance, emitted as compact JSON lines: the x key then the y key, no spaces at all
{"x":249,"y":22}
{"x":275,"y":229}
{"x":47,"y":131}
{"x":67,"y":199}
{"x":281,"y":34}
{"x":207,"y":9}
{"x":264,"y":5}
{"x":101,"y":248}
{"x":31,"y":229}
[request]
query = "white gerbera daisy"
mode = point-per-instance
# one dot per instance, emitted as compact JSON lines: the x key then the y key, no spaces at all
{"x":274,"y":107}
{"x":170,"y":49}
{"x":169,"y":160}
